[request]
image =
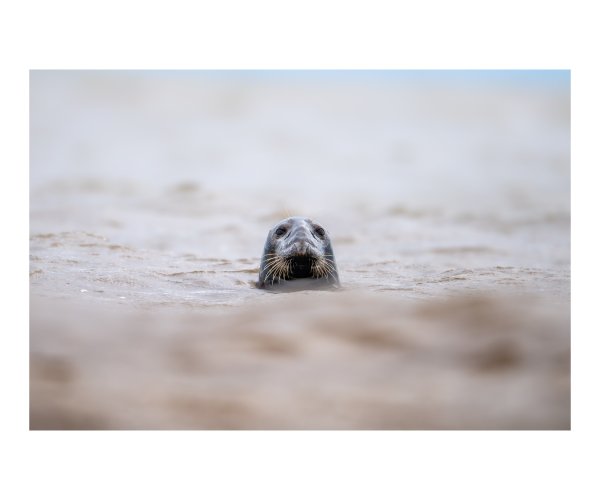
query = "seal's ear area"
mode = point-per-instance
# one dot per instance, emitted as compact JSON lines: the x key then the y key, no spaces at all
{"x":329,"y":250}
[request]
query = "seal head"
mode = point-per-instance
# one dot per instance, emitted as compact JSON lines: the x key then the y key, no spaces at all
{"x":297,"y":256}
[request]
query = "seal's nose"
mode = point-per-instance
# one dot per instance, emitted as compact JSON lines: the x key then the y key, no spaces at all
{"x":301,"y":237}
{"x":301,"y":247}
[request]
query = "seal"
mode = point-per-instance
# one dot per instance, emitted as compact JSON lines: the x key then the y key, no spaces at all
{"x":297,"y":256}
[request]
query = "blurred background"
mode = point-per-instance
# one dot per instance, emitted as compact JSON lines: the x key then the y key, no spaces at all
{"x":447,"y":196}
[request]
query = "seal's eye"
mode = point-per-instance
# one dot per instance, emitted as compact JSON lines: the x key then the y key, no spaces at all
{"x":280,"y":231}
{"x":320,"y":231}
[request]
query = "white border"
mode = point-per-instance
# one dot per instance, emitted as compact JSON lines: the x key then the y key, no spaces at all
{"x":332,"y":34}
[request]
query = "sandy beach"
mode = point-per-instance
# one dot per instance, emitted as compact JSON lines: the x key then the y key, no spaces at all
{"x":447,"y":197}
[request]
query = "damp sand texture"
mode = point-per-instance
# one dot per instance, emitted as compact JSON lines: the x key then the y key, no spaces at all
{"x":446,"y":196}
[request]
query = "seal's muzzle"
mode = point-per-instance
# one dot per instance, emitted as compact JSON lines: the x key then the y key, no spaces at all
{"x":301,"y":267}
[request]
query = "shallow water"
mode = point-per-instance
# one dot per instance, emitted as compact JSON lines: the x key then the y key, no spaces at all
{"x":449,"y":210}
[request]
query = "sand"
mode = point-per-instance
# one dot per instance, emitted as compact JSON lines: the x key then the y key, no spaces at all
{"x":449,"y":209}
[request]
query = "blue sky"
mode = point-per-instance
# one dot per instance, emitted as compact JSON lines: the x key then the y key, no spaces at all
{"x":537,"y":78}
{"x":527,"y":77}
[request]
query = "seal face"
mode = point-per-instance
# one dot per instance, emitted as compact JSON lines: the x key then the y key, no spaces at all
{"x":297,"y":256}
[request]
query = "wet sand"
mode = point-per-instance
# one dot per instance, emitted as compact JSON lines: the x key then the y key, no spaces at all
{"x":449,"y":210}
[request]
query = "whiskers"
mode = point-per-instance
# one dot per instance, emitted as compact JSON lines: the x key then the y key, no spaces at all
{"x":276,"y":268}
{"x":322,"y":268}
